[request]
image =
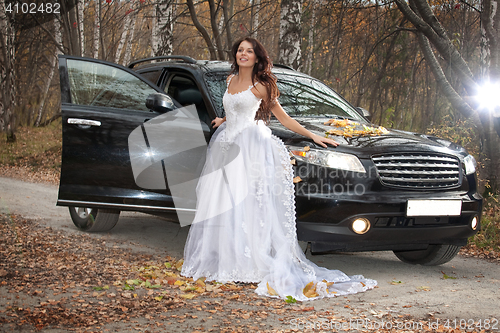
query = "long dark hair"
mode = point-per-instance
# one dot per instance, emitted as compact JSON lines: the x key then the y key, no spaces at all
{"x":261,"y":73}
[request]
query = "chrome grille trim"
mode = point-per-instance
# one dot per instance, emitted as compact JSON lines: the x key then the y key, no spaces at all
{"x":418,"y":170}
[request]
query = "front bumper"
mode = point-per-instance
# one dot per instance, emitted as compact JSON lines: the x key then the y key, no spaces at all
{"x":326,"y":224}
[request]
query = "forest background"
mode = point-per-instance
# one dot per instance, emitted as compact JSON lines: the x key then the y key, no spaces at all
{"x":423,"y":66}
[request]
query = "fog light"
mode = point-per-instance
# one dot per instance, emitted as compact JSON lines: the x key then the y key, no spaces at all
{"x":360,"y":226}
{"x":474,"y":223}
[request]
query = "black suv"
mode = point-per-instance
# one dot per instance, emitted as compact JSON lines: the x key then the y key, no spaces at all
{"x":410,"y":193}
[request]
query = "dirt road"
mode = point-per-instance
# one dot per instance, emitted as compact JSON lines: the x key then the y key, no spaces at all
{"x":464,"y":289}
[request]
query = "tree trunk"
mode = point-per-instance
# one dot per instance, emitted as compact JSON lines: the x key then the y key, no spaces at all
{"x":255,"y":18}
{"x":381,"y":74}
{"x":201,"y":29}
{"x":130,"y":41}
{"x":421,"y":16}
{"x":290,"y":33}
{"x":53,"y":64}
{"x":228,"y":9}
{"x":7,"y":75}
{"x":490,"y":29}
{"x":310,"y":39}
{"x":453,"y":97}
{"x":215,"y":29}
{"x":74,"y":37}
{"x":163,"y":39}
{"x":97,"y":29}
{"x":123,"y":37}
{"x":80,"y":19}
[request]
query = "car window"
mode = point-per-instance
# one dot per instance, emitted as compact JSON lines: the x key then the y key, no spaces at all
{"x":179,"y":83}
{"x":302,"y":96}
{"x":96,"y":84}
{"x":184,"y":90}
{"x":216,"y":82}
{"x":299,"y":96}
{"x":152,"y":76}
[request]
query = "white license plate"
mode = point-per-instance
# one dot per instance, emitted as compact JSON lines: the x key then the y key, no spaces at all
{"x":434,"y":208}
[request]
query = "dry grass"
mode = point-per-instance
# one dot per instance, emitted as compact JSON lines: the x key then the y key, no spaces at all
{"x":486,"y":243}
{"x":35,"y":156}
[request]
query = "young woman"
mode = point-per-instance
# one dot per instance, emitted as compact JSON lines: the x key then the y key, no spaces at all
{"x":244,"y":229}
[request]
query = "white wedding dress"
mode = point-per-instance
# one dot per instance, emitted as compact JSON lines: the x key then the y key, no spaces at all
{"x":244,"y":229}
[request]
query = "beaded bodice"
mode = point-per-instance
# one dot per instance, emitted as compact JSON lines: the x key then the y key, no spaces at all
{"x":240,"y":111}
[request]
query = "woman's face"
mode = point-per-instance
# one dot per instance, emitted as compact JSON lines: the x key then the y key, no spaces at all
{"x":245,"y":57}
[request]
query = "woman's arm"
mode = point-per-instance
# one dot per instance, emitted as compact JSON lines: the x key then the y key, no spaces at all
{"x":289,"y":122}
{"x":218,"y":121}
{"x":293,"y":125}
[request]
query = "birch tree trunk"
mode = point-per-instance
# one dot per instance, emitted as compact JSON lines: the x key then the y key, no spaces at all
{"x":80,"y":18}
{"x":154,"y":33}
{"x":255,"y":18}
{"x":97,"y":29}
{"x":163,"y":27}
{"x":7,"y":75}
{"x":130,"y":41}
{"x":490,"y":29}
{"x":123,"y":37}
{"x":50,"y":76}
{"x":290,"y":33}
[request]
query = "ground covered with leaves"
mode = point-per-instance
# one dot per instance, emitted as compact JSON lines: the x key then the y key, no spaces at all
{"x":35,"y":156}
{"x":73,"y":282}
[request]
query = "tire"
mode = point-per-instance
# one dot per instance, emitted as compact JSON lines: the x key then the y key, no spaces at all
{"x":432,"y":256}
{"x":93,"y":219}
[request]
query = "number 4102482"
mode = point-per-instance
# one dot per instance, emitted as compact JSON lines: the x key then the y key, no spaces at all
{"x":33,"y":8}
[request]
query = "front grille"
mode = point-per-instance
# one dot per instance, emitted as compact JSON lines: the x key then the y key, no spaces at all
{"x":418,"y":170}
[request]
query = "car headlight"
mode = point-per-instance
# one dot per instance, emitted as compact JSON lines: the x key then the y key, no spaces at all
{"x":328,"y":158}
{"x":470,"y":164}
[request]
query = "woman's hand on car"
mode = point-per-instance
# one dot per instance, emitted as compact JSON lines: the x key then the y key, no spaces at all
{"x":217,"y":122}
{"x":322,"y":141}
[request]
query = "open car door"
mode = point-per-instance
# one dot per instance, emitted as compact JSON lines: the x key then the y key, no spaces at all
{"x":102,"y":104}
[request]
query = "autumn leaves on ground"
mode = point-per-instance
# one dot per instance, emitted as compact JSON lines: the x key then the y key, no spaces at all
{"x":76,"y":281}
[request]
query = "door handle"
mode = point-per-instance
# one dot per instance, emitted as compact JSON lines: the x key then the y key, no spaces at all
{"x":88,"y":122}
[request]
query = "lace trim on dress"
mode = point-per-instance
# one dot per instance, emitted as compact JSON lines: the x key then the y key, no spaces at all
{"x":289,"y":203}
{"x":233,"y":276}
{"x":240,"y":92}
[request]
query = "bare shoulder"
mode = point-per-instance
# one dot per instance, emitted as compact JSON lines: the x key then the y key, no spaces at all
{"x":229,"y":77}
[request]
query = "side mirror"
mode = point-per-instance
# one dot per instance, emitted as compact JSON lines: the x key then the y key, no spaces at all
{"x":365,"y":113}
{"x":159,"y":102}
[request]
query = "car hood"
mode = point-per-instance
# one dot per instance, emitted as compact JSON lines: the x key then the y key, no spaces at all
{"x":393,"y":138}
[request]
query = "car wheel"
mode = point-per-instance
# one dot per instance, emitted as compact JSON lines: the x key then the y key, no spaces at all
{"x":434,"y":255}
{"x":93,"y":219}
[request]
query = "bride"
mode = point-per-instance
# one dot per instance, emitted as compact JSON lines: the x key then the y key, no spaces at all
{"x":244,"y":228}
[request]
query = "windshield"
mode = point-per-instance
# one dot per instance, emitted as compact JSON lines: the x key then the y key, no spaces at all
{"x":299,"y":96}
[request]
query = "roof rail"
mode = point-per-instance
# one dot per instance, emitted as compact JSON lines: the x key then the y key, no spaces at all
{"x":187,"y":59}
{"x":283,"y":66}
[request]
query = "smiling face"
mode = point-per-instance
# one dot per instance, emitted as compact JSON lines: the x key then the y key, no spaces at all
{"x":245,"y":56}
